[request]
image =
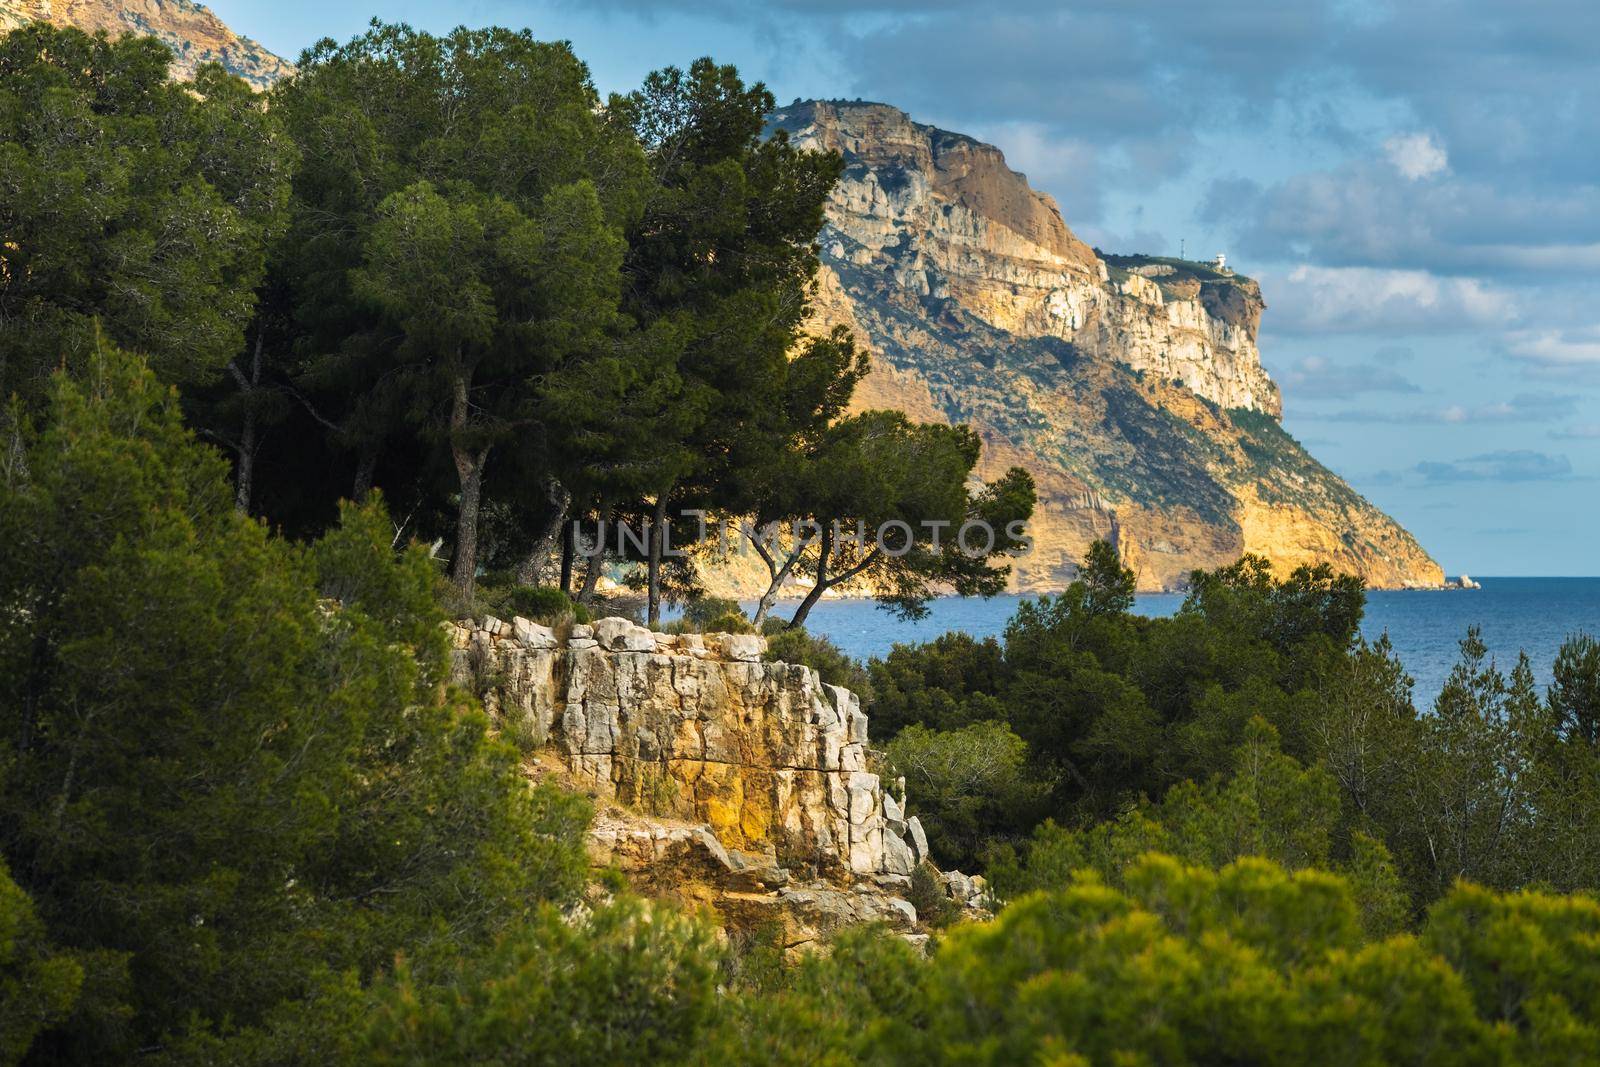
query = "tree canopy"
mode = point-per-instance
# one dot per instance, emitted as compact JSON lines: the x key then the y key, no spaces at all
{"x":129,"y":204}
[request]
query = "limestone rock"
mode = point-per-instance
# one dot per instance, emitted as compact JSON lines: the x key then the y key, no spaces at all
{"x":623,"y":635}
{"x":897,"y":855}
{"x":532,"y":634}
{"x":893,"y":815}
{"x":697,"y":729}
{"x":743,"y":648}
{"x":193,"y":32}
{"x":919,"y":839}
{"x":721,"y":781}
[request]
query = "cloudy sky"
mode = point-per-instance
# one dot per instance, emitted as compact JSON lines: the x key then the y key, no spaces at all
{"x":1416,"y":183}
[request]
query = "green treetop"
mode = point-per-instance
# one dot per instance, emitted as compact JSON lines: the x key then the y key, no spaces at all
{"x":131,"y":200}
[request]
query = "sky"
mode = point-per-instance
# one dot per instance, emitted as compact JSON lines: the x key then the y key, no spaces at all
{"x":1415,"y":183}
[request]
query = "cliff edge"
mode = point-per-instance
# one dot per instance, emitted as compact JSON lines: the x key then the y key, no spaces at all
{"x":1130,"y":386}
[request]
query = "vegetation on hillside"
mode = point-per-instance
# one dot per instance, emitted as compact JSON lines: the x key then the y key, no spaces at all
{"x":244,"y":819}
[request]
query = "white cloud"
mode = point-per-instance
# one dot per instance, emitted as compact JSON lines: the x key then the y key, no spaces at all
{"x":1557,"y":348}
{"x":1417,"y":155}
{"x":1352,"y":299}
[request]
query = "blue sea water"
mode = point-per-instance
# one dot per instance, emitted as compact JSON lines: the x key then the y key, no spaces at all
{"x":1516,"y":614}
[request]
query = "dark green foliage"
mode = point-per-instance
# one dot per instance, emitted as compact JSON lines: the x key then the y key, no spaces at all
{"x":723,"y":260}
{"x":704,"y":613}
{"x":130,"y":202}
{"x":1575,"y":691}
{"x":630,"y":983}
{"x":38,"y":985}
{"x":1187,"y":965}
{"x":972,"y":787}
{"x":244,"y":818}
{"x":1108,"y":585}
{"x":730,"y":622}
{"x":944,"y":684}
{"x":1312,"y":602}
{"x":456,"y":256}
{"x":891,"y":499}
{"x":542,"y":604}
{"x":1112,"y":706}
{"x":218,"y":784}
{"x":927,"y":894}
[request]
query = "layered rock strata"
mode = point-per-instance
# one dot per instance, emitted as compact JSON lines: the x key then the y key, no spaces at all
{"x":720,"y":778}
{"x":1131,"y":387}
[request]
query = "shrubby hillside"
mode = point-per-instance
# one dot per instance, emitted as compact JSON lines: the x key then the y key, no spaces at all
{"x":291,"y":384}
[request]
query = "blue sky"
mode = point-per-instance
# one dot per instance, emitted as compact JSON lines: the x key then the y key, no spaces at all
{"x":1416,"y":184}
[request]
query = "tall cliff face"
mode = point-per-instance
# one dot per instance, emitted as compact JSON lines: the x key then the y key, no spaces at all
{"x":191,"y":30}
{"x":1130,"y":386}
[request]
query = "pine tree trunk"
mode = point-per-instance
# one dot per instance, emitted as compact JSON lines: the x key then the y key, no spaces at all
{"x":658,"y":525}
{"x":591,"y":576}
{"x":779,"y":575}
{"x":244,"y":473}
{"x":824,"y":553}
{"x":531,"y":569}
{"x":568,"y":549}
{"x":366,"y":467}
{"x":469,"y":469}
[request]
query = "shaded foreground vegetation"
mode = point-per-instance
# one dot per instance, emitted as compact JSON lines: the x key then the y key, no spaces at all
{"x":243,"y":819}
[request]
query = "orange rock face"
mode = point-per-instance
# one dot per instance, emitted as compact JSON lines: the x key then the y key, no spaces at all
{"x":1131,"y":387}
{"x":192,"y":31}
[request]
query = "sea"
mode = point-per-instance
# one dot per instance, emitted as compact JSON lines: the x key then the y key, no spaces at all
{"x":1533,"y":615}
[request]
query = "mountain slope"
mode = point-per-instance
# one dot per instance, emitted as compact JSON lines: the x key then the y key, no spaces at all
{"x":194,"y":34}
{"x":1131,"y":387}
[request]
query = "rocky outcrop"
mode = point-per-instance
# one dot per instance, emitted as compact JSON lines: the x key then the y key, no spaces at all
{"x":195,"y":35}
{"x":1131,"y":387}
{"x":722,"y":778}
{"x":943,"y":215}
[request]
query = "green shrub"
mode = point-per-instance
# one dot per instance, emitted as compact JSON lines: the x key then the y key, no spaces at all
{"x":709,"y":614}
{"x":972,"y":787}
{"x":544,"y":604}
{"x":731,"y":622}
{"x":928,"y":896}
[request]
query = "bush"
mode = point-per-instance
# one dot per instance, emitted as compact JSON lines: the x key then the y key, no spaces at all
{"x":229,"y":789}
{"x":711,"y":614}
{"x":632,"y":982}
{"x":544,"y":604}
{"x":972,"y":787}
{"x":731,"y":622}
{"x":928,"y":896}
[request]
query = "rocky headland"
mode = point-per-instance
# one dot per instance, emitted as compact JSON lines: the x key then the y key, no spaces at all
{"x":1130,"y":386}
